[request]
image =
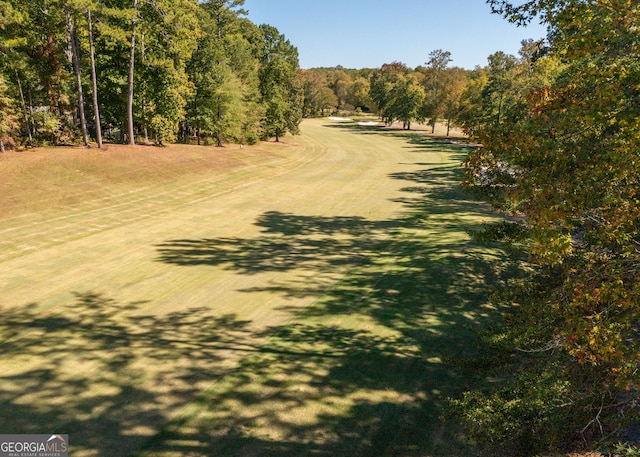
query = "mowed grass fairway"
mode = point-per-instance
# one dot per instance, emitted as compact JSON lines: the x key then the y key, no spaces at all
{"x":310,"y":298}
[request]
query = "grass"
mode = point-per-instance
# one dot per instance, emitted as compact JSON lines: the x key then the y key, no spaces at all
{"x":309,"y":298}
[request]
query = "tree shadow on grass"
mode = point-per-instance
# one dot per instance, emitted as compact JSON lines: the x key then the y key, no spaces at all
{"x":99,"y":370}
{"x":357,"y":390}
{"x":320,"y":244}
{"x":345,"y":392}
{"x":426,"y":141}
{"x":364,"y":370}
{"x":376,"y":354}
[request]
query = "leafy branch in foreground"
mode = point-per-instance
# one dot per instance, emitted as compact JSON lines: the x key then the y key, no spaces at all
{"x":566,"y":137}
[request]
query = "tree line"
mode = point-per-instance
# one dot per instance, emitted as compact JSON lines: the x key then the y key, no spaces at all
{"x":161,"y":71}
{"x":433,"y":92}
{"x":153,"y":70}
{"x":395,"y":92}
{"x":164,"y":71}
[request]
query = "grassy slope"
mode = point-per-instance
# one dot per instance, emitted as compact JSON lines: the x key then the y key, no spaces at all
{"x":284,"y":300}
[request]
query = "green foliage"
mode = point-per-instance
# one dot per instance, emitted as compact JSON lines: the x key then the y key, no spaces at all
{"x":435,"y":85}
{"x":504,"y":232}
{"x":327,"y":100}
{"x":163,"y":128}
{"x":196,"y":68}
{"x":520,"y":418}
{"x":47,"y":126}
{"x":385,"y":86}
{"x":408,"y":97}
{"x":358,"y":94}
{"x":539,"y":398}
{"x":401,"y":94}
{"x":397,"y":93}
{"x":280,"y":88}
{"x":624,"y":450}
{"x":329,"y":90}
{"x":168,"y":35}
{"x":223,"y":69}
{"x":8,"y":118}
{"x":560,"y":138}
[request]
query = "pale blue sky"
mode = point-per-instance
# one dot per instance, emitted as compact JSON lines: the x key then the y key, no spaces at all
{"x":369,"y":33}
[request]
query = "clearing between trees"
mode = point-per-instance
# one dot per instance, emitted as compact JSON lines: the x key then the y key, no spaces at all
{"x":307,"y":298}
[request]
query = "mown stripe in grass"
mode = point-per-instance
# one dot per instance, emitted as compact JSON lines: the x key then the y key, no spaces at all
{"x":366,"y":369}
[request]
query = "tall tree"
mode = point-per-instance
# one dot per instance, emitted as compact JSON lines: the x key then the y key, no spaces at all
{"x":38,"y":62}
{"x":131,"y":75}
{"x":314,"y":84}
{"x":111,"y":33}
{"x":8,"y":117}
{"x":12,"y":24}
{"x":339,"y":83}
{"x":358,"y":93}
{"x":168,"y":32}
{"x":224,"y":70}
{"x":74,"y":51}
{"x":382,"y":90}
{"x":501,"y":81}
{"x":456,"y":82}
{"x":327,"y":100}
{"x":25,"y":112}
{"x":94,"y":79}
{"x":397,"y":93}
{"x":435,"y":85}
{"x":280,"y":85}
{"x":408,"y":97}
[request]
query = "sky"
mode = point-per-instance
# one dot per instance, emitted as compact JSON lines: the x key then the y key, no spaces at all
{"x":370,"y":33}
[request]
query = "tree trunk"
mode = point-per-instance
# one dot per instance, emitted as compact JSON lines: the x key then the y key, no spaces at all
{"x":24,"y":110}
{"x":33,"y":124}
{"x":94,"y":81}
{"x":75,"y":56}
{"x":145,"y":121}
{"x":448,"y":127}
{"x":132,"y":57}
{"x":219,"y":132}
{"x":52,"y":78}
{"x":1,"y":146}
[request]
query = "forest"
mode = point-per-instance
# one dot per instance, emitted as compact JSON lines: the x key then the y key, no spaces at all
{"x":154,"y":71}
{"x":558,"y":135}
